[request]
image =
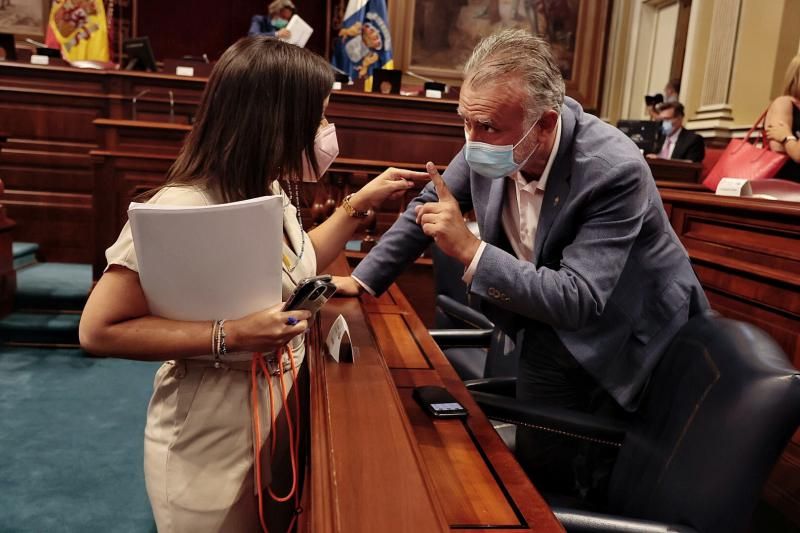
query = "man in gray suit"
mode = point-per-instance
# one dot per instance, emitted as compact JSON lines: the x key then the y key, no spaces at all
{"x":575,"y":248}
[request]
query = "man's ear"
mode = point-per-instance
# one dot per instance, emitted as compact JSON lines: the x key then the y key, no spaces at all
{"x":548,"y":121}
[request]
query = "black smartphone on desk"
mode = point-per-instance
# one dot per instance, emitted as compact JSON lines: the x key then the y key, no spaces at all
{"x":310,"y":294}
{"x":438,"y":402}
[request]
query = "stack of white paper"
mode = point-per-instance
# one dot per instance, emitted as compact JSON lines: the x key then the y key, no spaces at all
{"x":209,"y":262}
{"x":299,"y":30}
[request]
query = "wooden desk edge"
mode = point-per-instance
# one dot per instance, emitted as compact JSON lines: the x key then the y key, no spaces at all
{"x":534,"y":512}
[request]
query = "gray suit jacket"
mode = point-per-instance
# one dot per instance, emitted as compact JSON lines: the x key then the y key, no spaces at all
{"x":609,"y":274}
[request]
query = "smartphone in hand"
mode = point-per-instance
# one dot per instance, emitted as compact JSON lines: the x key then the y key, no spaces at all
{"x":310,"y":294}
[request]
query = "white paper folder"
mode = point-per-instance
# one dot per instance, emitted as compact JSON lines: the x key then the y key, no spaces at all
{"x":299,"y":30}
{"x":210,"y":262}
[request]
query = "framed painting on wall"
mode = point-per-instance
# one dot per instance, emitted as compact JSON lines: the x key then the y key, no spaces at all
{"x":25,"y":18}
{"x":437,"y":36}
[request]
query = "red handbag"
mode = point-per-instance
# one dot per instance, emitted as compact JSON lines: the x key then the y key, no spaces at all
{"x":742,"y":159}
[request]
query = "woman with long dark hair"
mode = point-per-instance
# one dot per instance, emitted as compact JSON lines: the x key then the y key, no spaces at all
{"x":260,"y":123}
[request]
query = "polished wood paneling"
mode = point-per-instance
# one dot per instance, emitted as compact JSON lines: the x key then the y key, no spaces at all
{"x":119,"y":178}
{"x":8,"y":276}
{"x":746,"y":253}
{"x":458,"y":470}
{"x":48,"y":114}
{"x":391,"y":128}
{"x":783,"y":488}
{"x":675,"y":170}
{"x":139,"y":136}
{"x":398,"y":349}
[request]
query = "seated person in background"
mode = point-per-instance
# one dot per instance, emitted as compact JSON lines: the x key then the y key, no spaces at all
{"x":273,"y":24}
{"x":679,"y":143}
{"x":783,"y":122}
{"x":199,"y":439}
{"x":653,"y":103}
{"x":575,"y":253}
{"x":671,"y":90}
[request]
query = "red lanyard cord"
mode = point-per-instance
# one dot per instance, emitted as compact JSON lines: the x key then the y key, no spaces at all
{"x":294,"y":432}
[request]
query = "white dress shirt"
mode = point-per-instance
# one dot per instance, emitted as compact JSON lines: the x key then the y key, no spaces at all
{"x":520,"y":216}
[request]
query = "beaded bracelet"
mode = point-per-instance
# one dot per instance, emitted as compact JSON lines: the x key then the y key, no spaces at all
{"x":218,"y":347}
{"x":214,"y":326}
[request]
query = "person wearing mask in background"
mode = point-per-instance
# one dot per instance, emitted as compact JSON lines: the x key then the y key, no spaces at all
{"x":653,"y":103}
{"x":678,"y":142}
{"x":672,"y":90}
{"x":783,"y":122}
{"x":200,"y":445}
{"x":576,"y":254}
{"x":273,"y":24}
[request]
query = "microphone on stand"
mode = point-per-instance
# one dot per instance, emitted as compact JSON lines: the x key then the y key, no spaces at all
{"x":135,"y":98}
{"x":340,"y":75}
{"x":171,"y":107}
{"x":430,"y":85}
{"x":37,"y":44}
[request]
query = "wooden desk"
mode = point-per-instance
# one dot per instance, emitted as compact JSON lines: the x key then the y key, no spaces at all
{"x":675,"y":170}
{"x":379,"y":463}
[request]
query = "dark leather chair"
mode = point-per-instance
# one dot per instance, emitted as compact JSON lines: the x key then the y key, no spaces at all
{"x":719,"y":408}
{"x":468,"y":339}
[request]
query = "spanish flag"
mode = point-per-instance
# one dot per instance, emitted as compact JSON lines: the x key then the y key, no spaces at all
{"x":79,"y":28}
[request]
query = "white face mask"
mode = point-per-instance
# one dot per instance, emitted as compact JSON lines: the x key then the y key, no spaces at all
{"x":493,"y":161}
{"x":326,"y":149}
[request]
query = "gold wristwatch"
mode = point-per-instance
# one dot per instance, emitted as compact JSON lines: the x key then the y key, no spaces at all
{"x":352,"y":211}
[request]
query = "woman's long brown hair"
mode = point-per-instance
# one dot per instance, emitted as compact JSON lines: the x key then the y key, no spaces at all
{"x":257,"y":119}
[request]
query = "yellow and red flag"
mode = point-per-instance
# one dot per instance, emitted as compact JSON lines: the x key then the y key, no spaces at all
{"x":80,"y":29}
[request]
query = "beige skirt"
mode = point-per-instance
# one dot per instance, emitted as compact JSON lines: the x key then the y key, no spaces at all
{"x":199,"y":449}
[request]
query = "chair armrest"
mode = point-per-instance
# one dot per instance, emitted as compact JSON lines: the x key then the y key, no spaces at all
{"x":554,"y":419}
{"x":498,"y":386}
{"x":575,"y":521}
{"x":459,"y":338}
{"x":463,"y":313}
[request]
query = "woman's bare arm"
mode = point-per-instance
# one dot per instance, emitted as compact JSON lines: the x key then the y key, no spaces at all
{"x":117,"y":322}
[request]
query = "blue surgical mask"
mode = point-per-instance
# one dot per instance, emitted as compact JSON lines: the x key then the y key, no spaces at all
{"x":666,"y":127}
{"x":495,"y":161}
{"x":279,"y":23}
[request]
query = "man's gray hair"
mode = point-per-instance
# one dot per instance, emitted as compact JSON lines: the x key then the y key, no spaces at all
{"x":518,"y":53}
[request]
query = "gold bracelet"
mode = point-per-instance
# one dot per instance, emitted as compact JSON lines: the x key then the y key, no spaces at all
{"x":352,"y":211}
